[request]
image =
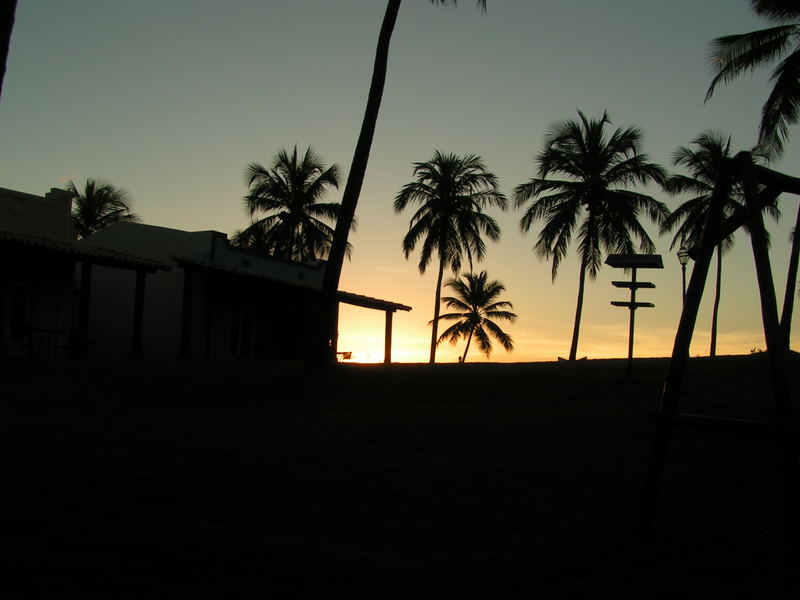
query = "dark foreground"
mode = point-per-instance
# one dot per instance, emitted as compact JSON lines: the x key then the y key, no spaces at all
{"x":508,"y":481}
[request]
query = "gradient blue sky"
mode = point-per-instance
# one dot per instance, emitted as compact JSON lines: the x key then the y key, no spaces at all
{"x":171,"y":99}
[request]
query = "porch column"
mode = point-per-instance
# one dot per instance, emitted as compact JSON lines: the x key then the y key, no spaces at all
{"x":138,"y":315}
{"x":387,"y":340}
{"x":82,"y":349}
{"x":185,"y":351}
{"x":335,"y":332}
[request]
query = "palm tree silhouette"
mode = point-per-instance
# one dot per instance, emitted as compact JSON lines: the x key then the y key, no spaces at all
{"x":99,"y":205}
{"x":592,"y":199}
{"x":452,"y":192}
{"x":7,"y":13}
{"x":741,"y":53}
{"x":289,"y":193}
{"x":477,"y":304}
{"x":320,"y":352}
{"x":688,"y":219}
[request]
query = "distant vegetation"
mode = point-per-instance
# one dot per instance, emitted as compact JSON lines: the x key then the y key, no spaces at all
{"x":98,"y":205}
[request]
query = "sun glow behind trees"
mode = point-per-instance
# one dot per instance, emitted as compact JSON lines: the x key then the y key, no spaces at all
{"x":178,"y":137}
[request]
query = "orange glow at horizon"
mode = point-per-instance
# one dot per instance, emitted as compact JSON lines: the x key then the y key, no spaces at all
{"x":361,"y":332}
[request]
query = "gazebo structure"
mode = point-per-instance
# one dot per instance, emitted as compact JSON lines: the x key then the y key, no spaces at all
{"x":742,"y":169}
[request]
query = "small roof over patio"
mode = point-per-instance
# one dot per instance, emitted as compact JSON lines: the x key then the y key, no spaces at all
{"x":195,"y":264}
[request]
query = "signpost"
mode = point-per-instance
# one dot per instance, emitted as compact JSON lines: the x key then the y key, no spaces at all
{"x":633,"y":262}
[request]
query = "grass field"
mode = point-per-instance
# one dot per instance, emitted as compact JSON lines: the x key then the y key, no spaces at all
{"x":247,"y":479}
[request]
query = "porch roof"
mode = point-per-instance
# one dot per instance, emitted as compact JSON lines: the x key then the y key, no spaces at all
{"x":345,"y":297}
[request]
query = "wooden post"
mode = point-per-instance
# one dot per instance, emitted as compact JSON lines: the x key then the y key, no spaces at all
{"x":787,"y":440}
{"x":138,"y":315}
{"x":387,"y":339}
{"x":186,"y":317}
{"x":335,"y":332}
{"x":83,"y":310}
{"x":680,"y":350}
{"x":632,"y":319}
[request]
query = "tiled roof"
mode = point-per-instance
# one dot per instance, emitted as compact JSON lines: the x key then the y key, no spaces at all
{"x":211,"y":266}
{"x":346,"y":297}
{"x":82,"y":252}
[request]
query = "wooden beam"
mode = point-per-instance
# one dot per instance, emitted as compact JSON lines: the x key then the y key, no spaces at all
{"x":680,"y":350}
{"x":722,"y":424}
{"x":387,"y":340}
{"x":780,"y":381}
{"x":335,"y":332}
{"x":739,"y":217}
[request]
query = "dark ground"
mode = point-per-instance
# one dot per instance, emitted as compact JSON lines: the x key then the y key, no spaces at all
{"x":507,"y":481}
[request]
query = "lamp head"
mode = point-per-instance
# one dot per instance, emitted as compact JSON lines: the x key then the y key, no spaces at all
{"x":683,"y":256}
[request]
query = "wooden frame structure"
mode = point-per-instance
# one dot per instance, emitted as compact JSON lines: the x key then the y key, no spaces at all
{"x":741,"y":168}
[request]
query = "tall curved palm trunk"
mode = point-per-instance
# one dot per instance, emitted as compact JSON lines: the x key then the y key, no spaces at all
{"x":715,"y":313}
{"x":7,"y":12}
{"x":321,"y":350}
{"x":791,"y":286}
{"x":573,"y":349}
{"x":436,"y":310}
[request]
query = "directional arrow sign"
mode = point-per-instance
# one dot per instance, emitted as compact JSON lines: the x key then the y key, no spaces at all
{"x":633,"y":304}
{"x":633,"y":285}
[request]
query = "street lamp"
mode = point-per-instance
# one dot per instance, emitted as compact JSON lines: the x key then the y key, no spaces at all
{"x":683,"y":258}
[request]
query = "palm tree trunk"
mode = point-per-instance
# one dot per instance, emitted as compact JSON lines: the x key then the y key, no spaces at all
{"x":7,"y":13}
{"x":435,"y":322}
{"x":573,"y":350}
{"x":791,"y":285}
{"x":469,"y":339}
{"x":320,"y":351}
{"x":715,"y":313}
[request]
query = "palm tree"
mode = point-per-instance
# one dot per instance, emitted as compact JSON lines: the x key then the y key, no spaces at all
{"x":7,"y":12}
{"x":592,"y":199}
{"x":289,"y":193}
{"x":744,"y":52}
{"x":476,"y":305}
{"x":320,"y":352}
{"x":741,"y":53}
{"x":452,"y":192}
{"x":688,"y":219}
{"x":99,"y":205}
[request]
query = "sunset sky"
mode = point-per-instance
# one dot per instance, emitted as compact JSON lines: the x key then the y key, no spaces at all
{"x":171,"y":99}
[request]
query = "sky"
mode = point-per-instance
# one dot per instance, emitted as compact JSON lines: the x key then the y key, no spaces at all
{"x":172,"y":99}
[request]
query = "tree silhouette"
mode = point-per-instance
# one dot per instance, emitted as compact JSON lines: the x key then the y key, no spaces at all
{"x":99,"y":205}
{"x":320,"y":352}
{"x":476,"y":305}
{"x":593,"y":198}
{"x":452,"y":192}
{"x":689,"y":218}
{"x":8,"y":10}
{"x":741,"y":53}
{"x":289,"y":193}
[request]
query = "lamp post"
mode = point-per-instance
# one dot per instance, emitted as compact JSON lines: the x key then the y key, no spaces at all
{"x":683,"y":258}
